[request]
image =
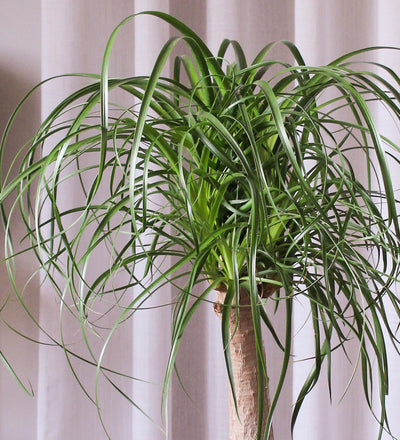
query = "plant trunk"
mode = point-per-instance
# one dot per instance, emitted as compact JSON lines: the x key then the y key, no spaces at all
{"x":243,"y":423}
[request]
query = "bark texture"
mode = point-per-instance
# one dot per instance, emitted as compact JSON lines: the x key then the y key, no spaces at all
{"x":243,"y":424}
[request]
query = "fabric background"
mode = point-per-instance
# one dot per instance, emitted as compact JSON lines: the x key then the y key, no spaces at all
{"x":50,"y":37}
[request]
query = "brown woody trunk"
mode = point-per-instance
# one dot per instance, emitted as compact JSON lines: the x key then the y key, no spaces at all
{"x":243,"y":423}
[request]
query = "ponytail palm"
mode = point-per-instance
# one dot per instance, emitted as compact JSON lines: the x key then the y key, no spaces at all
{"x":239,"y":174}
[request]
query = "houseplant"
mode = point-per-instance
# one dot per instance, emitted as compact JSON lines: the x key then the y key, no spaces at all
{"x":242,"y":175}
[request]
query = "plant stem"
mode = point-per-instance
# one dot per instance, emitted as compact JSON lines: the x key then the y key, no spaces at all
{"x":243,"y":422}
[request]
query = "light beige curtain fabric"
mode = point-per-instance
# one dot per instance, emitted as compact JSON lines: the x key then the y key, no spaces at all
{"x":20,"y":55}
{"x":46,"y":38}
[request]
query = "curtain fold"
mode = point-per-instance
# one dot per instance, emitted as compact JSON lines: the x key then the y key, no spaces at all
{"x":70,"y":36}
{"x":20,"y":54}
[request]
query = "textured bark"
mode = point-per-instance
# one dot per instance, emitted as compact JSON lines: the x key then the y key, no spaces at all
{"x":243,"y":423}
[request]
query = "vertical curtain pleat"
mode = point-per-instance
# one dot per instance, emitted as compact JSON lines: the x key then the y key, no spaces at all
{"x":151,"y":333}
{"x":74,"y":35}
{"x":20,"y":52}
{"x":324,"y":31}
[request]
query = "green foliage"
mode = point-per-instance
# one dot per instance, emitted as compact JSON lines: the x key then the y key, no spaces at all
{"x":244,"y":175}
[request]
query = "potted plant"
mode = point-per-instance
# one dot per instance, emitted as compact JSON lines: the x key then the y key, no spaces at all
{"x":242,"y":174}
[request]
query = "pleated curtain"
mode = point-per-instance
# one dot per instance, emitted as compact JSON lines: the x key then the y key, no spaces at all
{"x":40,"y":39}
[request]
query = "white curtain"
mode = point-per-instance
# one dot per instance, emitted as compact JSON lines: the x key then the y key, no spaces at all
{"x":51,"y":37}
